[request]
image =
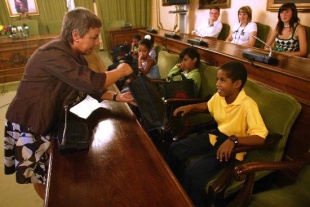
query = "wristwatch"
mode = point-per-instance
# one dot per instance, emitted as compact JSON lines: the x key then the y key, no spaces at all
{"x":114,"y":96}
{"x":234,"y":139}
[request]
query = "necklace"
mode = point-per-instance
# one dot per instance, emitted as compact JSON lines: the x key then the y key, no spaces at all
{"x":286,"y":26}
{"x":236,"y":39}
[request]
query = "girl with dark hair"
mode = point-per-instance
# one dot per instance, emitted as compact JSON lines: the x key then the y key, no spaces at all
{"x":289,"y":36}
{"x":190,"y":61}
{"x":146,"y":63}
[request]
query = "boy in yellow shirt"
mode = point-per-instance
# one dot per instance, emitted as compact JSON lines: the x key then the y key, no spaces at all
{"x":239,"y":122}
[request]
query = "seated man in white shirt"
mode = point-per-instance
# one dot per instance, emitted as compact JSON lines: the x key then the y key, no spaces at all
{"x":212,"y":26}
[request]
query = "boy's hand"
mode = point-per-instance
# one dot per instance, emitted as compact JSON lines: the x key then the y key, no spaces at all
{"x":183,"y":110}
{"x":224,"y":151}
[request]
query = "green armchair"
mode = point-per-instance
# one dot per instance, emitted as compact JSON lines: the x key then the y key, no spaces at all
{"x":54,"y":27}
{"x":262,"y":33}
{"x":159,"y":48}
{"x":297,"y":194}
{"x":279,"y":112}
{"x":224,"y":32}
{"x":165,"y":62}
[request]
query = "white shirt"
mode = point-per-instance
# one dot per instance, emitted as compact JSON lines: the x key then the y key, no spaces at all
{"x":206,"y":30}
{"x":241,"y":35}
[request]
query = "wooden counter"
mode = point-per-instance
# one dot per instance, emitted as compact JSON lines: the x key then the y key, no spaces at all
{"x":121,"y":168}
{"x":14,"y":54}
{"x":117,"y":36}
{"x":291,"y":75}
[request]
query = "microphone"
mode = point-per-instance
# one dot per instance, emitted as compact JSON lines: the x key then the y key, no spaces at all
{"x":199,"y":42}
{"x":259,"y":56}
{"x":173,"y":35}
{"x":270,"y":49}
{"x":20,"y":29}
{"x":196,"y":31}
{"x":26,"y":28}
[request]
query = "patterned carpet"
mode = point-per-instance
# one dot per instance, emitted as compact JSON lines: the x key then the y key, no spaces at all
{"x":11,"y":193}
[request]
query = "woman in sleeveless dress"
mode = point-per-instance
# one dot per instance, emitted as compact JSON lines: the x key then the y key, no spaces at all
{"x":289,"y":36}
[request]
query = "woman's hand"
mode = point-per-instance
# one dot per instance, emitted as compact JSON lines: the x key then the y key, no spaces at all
{"x":126,"y":97}
{"x":183,"y":110}
{"x":224,"y":151}
{"x":126,"y":69}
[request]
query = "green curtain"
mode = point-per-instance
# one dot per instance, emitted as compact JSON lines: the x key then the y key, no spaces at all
{"x":49,"y":11}
{"x":136,"y":12}
{"x":4,"y":14}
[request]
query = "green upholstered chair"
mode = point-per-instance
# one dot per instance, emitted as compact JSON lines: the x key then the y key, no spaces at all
{"x":224,"y":32}
{"x":32,"y":24}
{"x":116,"y":23}
{"x":279,"y":112}
{"x":297,"y":194}
{"x":308,"y":39}
{"x":54,"y":27}
{"x":159,"y":48}
{"x":165,"y":62}
{"x":262,"y":33}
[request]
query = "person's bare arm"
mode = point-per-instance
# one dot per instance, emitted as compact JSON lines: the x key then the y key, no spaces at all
{"x":192,"y":107}
{"x":112,"y":76}
{"x":271,"y":40}
{"x":150,"y":63}
{"x":229,"y":38}
{"x":252,"y":40}
{"x":301,"y":35}
{"x":224,"y":151}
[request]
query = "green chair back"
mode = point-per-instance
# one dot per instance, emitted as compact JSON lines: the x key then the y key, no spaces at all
{"x":159,"y":48}
{"x":54,"y":27}
{"x":262,"y":33}
{"x":32,"y":24}
{"x":208,"y":88}
{"x":279,"y":112}
{"x":116,"y":23}
{"x":224,"y":32}
{"x":208,"y":80}
{"x":165,"y":62}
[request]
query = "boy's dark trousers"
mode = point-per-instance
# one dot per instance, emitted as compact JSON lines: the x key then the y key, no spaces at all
{"x":193,"y":161}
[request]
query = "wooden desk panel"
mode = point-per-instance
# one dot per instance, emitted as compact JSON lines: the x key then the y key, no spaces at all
{"x":292,"y":70}
{"x":14,"y":54}
{"x":117,"y":36}
{"x":291,"y":76}
{"x":121,"y":168}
